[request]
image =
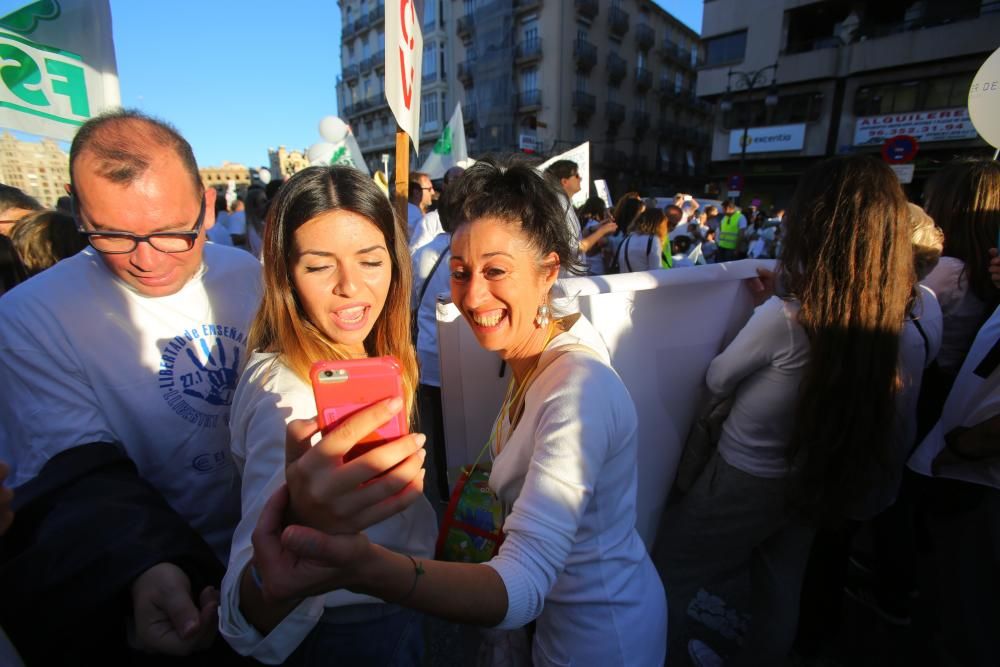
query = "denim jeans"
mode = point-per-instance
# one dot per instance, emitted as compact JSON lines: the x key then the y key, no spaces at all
{"x":365,"y":634}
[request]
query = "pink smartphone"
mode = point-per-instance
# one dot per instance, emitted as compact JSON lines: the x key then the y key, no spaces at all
{"x":342,"y":388}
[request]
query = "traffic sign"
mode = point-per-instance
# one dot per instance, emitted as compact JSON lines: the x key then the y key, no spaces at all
{"x":898,"y":149}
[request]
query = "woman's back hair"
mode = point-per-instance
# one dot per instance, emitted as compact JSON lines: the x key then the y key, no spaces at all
{"x":648,"y":222}
{"x":628,"y":211}
{"x":847,"y":260}
{"x":42,"y":239}
{"x":964,"y":201}
{"x":593,"y":209}
{"x":282,"y":325}
{"x":512,"y":190}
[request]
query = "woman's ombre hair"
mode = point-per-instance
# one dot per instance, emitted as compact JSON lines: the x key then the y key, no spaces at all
{"x":281,"y":325}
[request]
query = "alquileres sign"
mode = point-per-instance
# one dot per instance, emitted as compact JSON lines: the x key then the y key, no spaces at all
{"x":924,"y":126}
{"x":769,"y":139}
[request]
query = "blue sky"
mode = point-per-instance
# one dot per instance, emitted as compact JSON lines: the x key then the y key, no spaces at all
{"x":238,"y":77}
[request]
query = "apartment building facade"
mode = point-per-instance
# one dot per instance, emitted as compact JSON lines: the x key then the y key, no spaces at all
{"x":842,"y":77}
{"x":361,"y":85}
{"x":38,"y":168}
{"x":546,"y":75}
{"x":541,"y":76}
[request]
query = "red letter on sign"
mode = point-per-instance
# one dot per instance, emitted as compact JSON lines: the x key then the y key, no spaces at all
{"x":407,"y":89}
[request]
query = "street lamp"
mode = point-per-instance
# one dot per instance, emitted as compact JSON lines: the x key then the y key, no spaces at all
{"x":749,"y":81}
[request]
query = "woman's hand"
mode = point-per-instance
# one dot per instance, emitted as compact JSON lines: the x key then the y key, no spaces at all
{"x":339,"y":497}
{"x":761,"y":287}
{"x":994,"y":268}
{"x":285,"y":576}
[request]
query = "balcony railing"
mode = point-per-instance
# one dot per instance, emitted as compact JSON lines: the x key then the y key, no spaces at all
{"x":643,"y":78}
{"x":465,"y":73}
{"x":365,"y":65}
{"x":587,"y":8}
{"x":617,"y":21}
{"x":378,"y":59}
{"x":529,"y":99}
{"x":645,"y":37}
{"x":526,"y":5}
{"x":465,"y":26}
{"x":377,"y":14}
{"x":584,"y":102}
{"x":471,"y":120}
{"x":585,"y":54}
{"x":615,"y":113}
{"x":351,"y":72}
{"x":617,"y":68}
{"x":529,"y":50}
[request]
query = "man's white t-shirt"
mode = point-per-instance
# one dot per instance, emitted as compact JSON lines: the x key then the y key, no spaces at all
{"x":86,"y":359}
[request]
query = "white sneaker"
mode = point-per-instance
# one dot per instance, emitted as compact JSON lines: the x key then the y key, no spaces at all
{"x":702,"y":655}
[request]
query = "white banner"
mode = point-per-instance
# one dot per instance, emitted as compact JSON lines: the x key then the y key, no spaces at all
{"x":57,"y":65}
{"x":580,"y":155}
{"x":941,"y":125}
{"x":665,"y":374}
{"x":450,"y":149}
{"x":769,"y":139}
{"x":404,"y":51}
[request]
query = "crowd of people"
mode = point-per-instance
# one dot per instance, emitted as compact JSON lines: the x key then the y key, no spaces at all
{"x":166,"y":491}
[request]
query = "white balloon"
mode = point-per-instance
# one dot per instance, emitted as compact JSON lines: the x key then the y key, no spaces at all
{"x":333,"y":129}
{"x":264,"y":175}
{"x":320,"y":154}
{"x":984,"y":100}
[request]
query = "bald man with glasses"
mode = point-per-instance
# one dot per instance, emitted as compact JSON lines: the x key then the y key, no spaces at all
{"x":120,"y":364}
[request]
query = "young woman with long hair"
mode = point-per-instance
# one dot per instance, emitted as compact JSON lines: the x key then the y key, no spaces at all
{"x":336,"y":286}
{"x":964,"y":200}
{"x":814,"y":378}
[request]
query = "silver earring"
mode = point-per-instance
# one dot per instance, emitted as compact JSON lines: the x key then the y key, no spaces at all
{"x":542,"y":318}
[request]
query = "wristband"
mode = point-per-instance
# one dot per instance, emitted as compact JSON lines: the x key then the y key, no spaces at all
{"x":418,"y":571}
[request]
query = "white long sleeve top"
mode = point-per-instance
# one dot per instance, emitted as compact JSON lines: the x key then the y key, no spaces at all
{"x":762,"y":369}
{"x":572,"y":557}
{"x":270,"y":395}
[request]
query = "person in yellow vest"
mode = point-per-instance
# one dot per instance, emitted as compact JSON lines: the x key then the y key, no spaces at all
{"x":732,"y":228}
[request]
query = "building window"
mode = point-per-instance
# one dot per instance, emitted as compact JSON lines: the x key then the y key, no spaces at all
{"x":581,"y":82}
{"x":640,"y":60}
{"x":581,"y":33}
{"x":430,"y":15}
{"x":903,"y":96}
{"x":529,"y":30}
{"x":430,"y":62}
{"x":366,"y":47}
{"x":791,"y":109}
{"x":725,"y":49}
{"x":429,"y":118}
{"x":441,"y":51}
{"x":529,"y":79}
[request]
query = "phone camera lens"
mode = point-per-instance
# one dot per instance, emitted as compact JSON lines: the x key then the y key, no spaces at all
{"x":328,"y":374}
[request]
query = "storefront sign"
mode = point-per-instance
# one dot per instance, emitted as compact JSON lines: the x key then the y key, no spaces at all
{"x":924,"y":126}
{"x":769,"y":139}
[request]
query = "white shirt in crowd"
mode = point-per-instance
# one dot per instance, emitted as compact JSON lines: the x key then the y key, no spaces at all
{"x":963,"y":311}
{"x":268,"y":397}
{"x":572,"y":557}
{"x":974,"y":398}
{"x":413,"y":217}
{"x":440,"y":283}
{"x":94,"y":361}
{"x":639,"y":252}
{"x":425,"y":230}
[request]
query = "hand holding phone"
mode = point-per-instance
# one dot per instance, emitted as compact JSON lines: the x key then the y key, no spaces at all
{"x":349,"y":481}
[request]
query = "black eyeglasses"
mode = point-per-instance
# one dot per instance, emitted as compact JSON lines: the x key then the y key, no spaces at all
{"x":121,"y":243}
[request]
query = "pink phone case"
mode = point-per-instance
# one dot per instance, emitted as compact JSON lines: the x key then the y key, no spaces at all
{"x":342,"y":388}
